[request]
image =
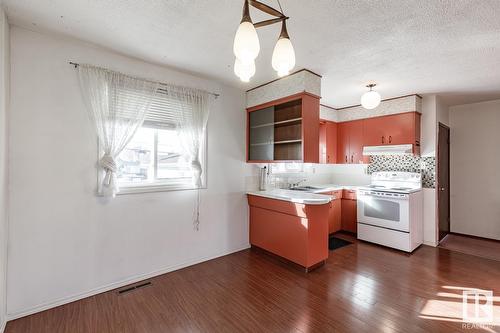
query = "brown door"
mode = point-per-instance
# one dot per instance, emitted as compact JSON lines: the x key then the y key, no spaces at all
{"x":443,"y":180}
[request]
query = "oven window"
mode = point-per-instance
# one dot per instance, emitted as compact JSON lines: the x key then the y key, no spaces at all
{"x":382,"y":209}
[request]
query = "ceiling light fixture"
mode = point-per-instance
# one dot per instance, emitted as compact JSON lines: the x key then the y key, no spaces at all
{"x":370,"y":99}
{"x":246,"y":46}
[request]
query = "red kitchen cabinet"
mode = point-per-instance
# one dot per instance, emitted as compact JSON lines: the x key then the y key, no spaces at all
{"x":350,"y":142}
{"x":397,"y":129}
{"x":284,"y":130}
{"x":328,"y":142}
{"x":335,"y":211}
{"x":349,"y":209}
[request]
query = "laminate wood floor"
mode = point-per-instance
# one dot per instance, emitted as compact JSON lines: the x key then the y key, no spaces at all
{"x":485,"y":248}
{"x":362,"y":288}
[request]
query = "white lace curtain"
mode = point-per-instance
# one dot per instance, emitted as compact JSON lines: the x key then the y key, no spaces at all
{"x":117,"y":104}
{"x":194,"y":109}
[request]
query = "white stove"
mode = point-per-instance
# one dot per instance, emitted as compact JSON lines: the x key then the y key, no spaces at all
{"x":390,"y":210}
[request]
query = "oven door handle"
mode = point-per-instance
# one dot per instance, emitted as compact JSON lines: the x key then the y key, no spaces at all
{"x":382,"y":196}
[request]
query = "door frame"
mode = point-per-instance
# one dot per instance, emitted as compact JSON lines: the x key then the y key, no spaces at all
{"x":441,"y":125}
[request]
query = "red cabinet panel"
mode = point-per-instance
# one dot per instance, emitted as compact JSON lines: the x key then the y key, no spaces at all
{"x":350,"y":142}
{"x":296,"y":232}
{"x":328,"y":142}
{"x":356,"y":142}
{"x":349,"y":215}
{"x":343,"y":154}
{"x":403,"y":128}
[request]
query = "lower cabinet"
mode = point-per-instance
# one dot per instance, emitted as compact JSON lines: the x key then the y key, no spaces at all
{"x":349,"y":216}
{"x":335,"y":216}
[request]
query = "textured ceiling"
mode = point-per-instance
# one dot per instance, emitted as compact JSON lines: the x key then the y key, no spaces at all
{"x":449,"y":47}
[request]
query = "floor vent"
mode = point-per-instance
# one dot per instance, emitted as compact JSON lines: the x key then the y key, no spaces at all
{"x":133,"y":287}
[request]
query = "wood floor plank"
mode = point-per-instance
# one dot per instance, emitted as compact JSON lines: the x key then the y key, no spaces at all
{"x":361,"y":288}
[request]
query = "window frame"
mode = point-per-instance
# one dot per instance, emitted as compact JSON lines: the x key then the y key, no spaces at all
{"x":161,"y":186}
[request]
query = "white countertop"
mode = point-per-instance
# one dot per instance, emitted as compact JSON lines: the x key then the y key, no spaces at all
{"x":294,"y":196}
{"x":333,"y":187}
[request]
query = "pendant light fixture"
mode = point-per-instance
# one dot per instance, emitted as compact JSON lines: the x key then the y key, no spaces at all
{"x":246,"y":46}
{"x":283,"y":54}
{"x":370,"y":99}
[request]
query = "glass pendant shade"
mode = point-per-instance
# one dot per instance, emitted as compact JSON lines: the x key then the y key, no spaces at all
{"x":246,"y":45}
{"x":370,"y":100}
{"x":244,"y":71}
{"x":283,"y":57}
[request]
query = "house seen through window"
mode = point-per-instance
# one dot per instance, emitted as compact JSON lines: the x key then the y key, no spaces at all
{"x":155,"y":157}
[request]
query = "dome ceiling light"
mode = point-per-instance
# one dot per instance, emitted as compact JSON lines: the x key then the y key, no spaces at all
{"x":246,"y":45}
{"x":370,"y":99}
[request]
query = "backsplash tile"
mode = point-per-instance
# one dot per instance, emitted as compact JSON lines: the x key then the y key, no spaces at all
{"x":425,"y":165}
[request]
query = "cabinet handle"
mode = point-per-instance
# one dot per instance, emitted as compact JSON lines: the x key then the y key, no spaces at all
{"x":352,"y":158}
{"x":390,"y":139}
{"x":346,"y":158}
{"x":383,"y":140}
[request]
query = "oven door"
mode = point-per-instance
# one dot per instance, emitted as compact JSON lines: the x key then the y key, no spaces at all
{"x":384,"y":209}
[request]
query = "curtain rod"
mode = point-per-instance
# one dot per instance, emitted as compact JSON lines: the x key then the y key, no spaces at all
{"x":77,"y":64}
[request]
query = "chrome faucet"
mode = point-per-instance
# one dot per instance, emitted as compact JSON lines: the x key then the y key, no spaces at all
{"x":292,"y":185}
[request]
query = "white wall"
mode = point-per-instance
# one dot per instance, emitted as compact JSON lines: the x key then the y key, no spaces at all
{"x":475,"y":160}
{"x":4,"y":103}
{"x":65,"y":242}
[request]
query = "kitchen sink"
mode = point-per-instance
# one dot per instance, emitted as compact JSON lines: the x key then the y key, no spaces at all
{"x":305,"y":188}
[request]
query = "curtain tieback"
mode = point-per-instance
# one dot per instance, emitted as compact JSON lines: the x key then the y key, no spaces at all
{"x":107,"y":162}
{"x":196,"y":165}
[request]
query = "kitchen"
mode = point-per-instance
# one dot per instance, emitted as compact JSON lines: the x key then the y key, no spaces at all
{"x":296,"y":134}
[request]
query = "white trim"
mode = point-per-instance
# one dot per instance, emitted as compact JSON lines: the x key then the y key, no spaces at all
{"x":2,"y":326}
{"x":433,"y":244}
{"x":118,"y":284}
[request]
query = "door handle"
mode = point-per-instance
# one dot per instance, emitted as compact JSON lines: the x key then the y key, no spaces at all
{"x":442,"y":189}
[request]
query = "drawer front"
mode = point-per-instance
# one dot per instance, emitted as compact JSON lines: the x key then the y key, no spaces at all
{"x":349,"y":194}
{"x":337,"y":194}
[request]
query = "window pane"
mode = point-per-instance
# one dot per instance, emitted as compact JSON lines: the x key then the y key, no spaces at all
{"x":172,"y":161}
{"x":136,"y":161}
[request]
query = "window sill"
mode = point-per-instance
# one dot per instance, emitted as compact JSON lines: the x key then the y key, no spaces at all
{"x":156,"y":188}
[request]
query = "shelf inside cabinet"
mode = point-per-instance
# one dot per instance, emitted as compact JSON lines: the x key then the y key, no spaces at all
{"x":278,"y":123}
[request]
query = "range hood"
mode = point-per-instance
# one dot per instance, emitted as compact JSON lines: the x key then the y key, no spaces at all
{"x":388,"y":150}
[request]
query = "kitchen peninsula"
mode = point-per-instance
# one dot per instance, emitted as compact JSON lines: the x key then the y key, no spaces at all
{"x":290,"y":224}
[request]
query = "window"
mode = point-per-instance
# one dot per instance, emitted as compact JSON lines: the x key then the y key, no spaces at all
{"x":154,"y":159}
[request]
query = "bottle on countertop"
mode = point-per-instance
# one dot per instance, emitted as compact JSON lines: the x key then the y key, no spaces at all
{"x":263,"y":179}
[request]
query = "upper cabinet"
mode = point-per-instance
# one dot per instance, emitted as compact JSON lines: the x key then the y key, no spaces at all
{"x":350,"y":142}
{"x":396,"y":129}
{"x":327,"y":142}
{"x":284,"y":130}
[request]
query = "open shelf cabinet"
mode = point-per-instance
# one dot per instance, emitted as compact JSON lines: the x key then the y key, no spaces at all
{"x":284,"y":130}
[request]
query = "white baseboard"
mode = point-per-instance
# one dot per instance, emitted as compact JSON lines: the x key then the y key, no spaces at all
{"x":114,"y":285}
{"x":2,"y":325}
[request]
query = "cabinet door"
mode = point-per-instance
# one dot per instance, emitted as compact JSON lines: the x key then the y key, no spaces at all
{"x":261,"y":135}
{"x":343,"y":155}
{"x":331,"y":142}
{"x":336,"y":215}
{"x":322,"y":143}
{"x":374,"y":132}
{"x":356,"y":142}
{"x":400,"y":128}
{"x":349,"y":215}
